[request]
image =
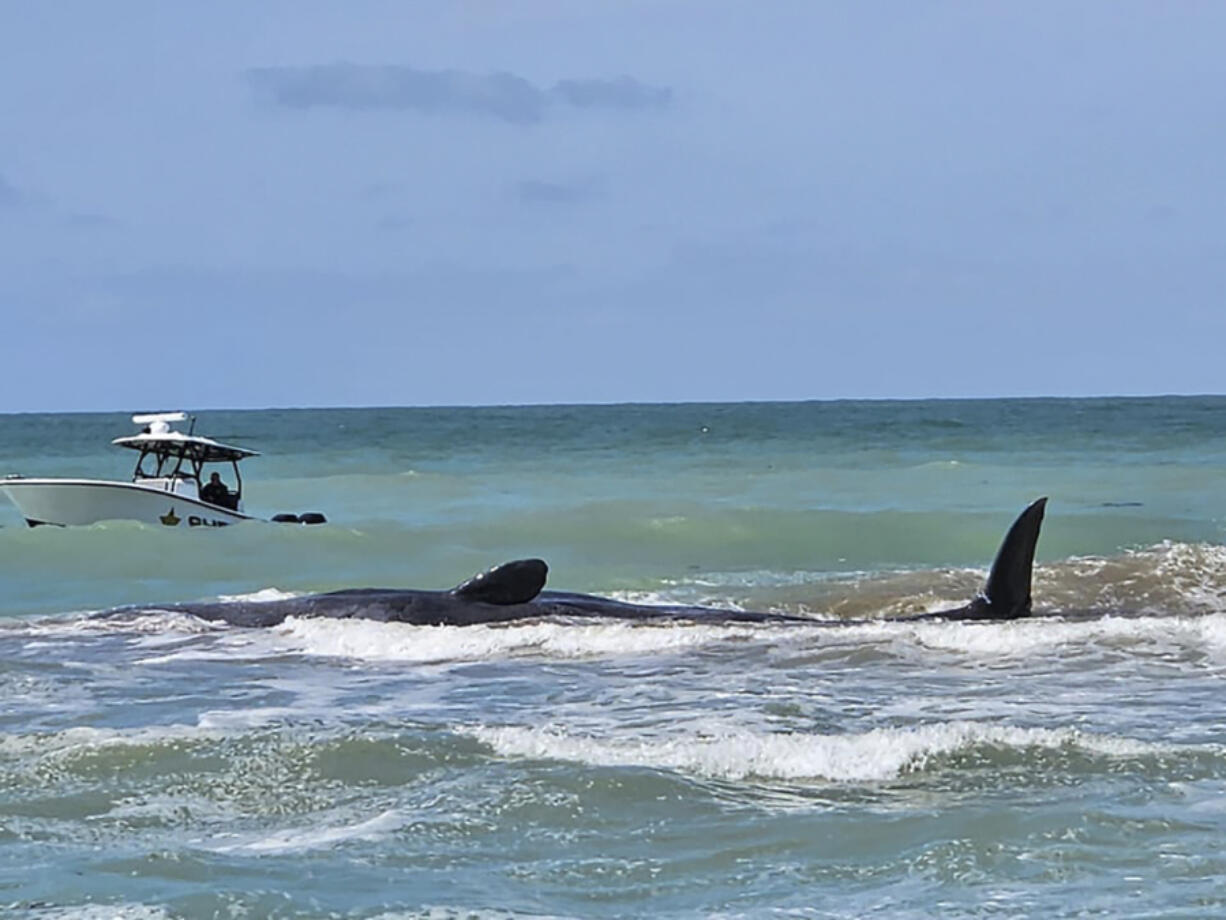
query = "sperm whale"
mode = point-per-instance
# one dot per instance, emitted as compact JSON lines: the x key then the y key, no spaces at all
{"x":515,"y":591}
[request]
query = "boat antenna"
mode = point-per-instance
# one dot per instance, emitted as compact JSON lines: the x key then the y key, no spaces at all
{"x":191,"y":429}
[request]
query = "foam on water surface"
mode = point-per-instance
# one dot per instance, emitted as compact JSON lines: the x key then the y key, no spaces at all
{"x":873,"y":756}
{"x":371,"y":641}
{"x":298,"y":840}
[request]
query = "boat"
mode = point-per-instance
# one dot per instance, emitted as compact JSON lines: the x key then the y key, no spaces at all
{"x":168,"y":486}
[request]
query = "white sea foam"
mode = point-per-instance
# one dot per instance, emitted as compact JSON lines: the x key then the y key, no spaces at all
{"x":317,"y":698}
{"x":229,"y":644}
{"x":149,"y":621}
{"x":153,"y":805}
{"x":672,"y":596}
{"x":210,"y":726}
{"x":88,"y":738}
{"x":371,"y":641}
{"x":366,"y":640}
{"x":297,"y":840}
{"x":876,"y":755}
{"x":1194,"y":569}
{"x":104,"y":912}
{"x":1026,"y":638}
{"x":446,"y":912}
{"x":229,"y":721}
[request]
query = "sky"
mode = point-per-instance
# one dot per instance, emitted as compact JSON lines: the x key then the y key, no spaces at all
{"x":253,"y":204}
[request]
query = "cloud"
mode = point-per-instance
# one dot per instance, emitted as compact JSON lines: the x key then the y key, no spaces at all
{"x":351,"y":86}
{"x":503,"y":96}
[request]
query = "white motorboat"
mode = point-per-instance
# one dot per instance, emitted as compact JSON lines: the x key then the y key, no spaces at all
{"x":167,"y":487}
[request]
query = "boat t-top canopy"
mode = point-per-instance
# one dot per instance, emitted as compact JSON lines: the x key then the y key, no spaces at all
{"x":158,"y":438}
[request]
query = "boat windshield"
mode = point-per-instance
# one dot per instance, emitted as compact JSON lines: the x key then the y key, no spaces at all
{"x":173,"y":454}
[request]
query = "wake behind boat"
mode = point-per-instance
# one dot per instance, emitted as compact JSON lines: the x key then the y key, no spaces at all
{"x":168,"y":485}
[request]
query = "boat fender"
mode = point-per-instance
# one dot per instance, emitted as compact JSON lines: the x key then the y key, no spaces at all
{"x":285,"y":518}
{"x":312,"y":517}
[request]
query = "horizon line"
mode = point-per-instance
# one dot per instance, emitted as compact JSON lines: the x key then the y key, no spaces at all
{"x":625,"y":403}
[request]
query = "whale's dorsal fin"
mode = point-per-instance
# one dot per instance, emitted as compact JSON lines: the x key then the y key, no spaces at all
{"x":1007,"y":592}
{"x":510,"y":583}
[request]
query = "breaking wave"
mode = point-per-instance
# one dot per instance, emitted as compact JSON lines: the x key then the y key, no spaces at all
{"x":371,"y":641}
{"x":873,"y":756}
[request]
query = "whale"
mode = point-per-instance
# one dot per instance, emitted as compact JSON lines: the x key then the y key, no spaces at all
{"x":515,"y":591}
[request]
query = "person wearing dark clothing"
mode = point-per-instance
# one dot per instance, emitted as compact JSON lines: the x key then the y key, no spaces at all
{"x":215,"y":492}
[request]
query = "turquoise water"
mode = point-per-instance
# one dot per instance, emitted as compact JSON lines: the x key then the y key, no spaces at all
{"x":1070,"y":765}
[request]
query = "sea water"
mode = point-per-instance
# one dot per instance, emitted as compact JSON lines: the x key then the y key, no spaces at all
{"x":1072,"y":764}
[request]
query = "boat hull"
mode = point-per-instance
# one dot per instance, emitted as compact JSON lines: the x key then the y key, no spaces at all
{"x":71,"y":502}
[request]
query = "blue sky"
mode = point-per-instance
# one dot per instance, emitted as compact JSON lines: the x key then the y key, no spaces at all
{"x":242,"y":204}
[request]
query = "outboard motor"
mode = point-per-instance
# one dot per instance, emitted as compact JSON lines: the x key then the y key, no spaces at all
{"x":307,"y":517}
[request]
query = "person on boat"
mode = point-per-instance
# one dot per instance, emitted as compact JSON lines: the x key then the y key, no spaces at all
{"x":215,"y":492}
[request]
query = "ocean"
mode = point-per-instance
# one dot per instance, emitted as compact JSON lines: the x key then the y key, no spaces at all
{"x":1068,"y":765}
